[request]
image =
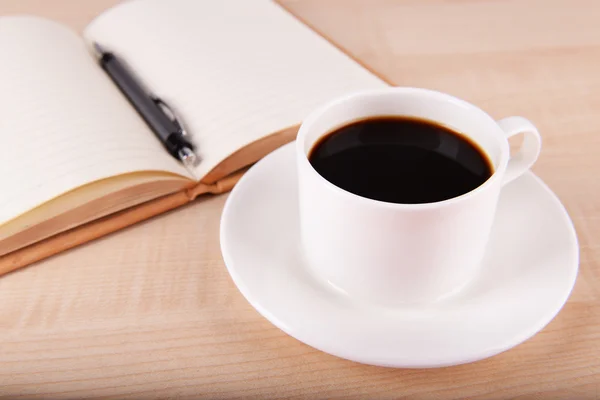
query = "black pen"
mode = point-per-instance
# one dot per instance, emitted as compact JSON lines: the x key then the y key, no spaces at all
{"x":157,"y":114}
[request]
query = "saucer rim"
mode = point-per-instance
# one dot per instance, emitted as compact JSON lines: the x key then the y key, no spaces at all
{"x":543,"y":320}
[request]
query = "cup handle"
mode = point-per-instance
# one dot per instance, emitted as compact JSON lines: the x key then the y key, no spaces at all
{"x":529,"y":151}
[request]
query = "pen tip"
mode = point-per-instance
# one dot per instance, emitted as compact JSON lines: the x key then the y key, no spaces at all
{"x":188,"y":157}
{"x":98,"y":48}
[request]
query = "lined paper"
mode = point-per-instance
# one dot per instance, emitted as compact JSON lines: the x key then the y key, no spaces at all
{"x":64,"y":124}
{"x":235,"y":70}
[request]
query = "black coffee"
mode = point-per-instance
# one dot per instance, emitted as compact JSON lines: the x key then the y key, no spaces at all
{"x":400,"y":160}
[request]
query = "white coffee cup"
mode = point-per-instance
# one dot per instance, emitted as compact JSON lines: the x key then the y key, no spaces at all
{"x":389,"y":253}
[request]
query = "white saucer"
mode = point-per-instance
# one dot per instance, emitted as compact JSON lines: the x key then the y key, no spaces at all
{"x":529,"y":271}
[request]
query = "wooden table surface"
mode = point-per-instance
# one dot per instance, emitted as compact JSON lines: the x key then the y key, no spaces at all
{"x":135,"y":316}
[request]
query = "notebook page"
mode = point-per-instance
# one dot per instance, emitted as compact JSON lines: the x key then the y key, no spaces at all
{"x":63,"y":123}
{"x":235,"y":70}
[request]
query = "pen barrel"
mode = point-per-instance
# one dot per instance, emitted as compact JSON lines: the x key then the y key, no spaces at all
{"x":161,"y":125}
{"x":175,"y":142}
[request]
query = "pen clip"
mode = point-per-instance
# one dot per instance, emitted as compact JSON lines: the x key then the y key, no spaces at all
{"x":169,"y":112}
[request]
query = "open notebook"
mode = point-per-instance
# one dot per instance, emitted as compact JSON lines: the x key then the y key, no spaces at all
{"x":76,"y":159}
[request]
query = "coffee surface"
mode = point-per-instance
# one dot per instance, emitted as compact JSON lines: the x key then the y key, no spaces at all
{"x":400,"y":160}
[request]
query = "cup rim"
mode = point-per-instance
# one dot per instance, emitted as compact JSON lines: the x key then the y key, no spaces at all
{"x":319,"y":112}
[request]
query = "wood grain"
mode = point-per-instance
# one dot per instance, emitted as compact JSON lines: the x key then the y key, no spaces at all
{"x":150,"y":312}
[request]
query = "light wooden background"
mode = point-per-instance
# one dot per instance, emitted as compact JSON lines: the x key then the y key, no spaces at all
{"x":151,"y":312}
